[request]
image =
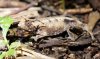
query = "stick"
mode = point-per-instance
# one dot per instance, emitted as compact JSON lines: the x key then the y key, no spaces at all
{"x":33,"y":54}
{"x":77,"y":11}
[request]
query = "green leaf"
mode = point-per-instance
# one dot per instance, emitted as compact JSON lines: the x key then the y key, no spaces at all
{"x":5,"y":23}
{"x":2,"y":55}
{"x":11,"y":52}
{"x":14,"y":45}
{"x":6,"y":20}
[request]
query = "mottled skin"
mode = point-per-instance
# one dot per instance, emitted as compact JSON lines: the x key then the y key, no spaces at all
{"x":53,"y":25}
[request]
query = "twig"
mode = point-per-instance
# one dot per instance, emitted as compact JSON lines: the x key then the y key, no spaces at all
{"x":24,"y":8}
{"x":9,"y":3}
{"x":77,"y":11}
{"x":7,"y":11}
{"x":33,"y":54}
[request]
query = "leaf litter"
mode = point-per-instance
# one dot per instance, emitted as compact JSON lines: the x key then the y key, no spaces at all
{"x":59,"y":35}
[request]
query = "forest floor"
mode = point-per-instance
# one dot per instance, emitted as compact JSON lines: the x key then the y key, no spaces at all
{"x":53,"y":29}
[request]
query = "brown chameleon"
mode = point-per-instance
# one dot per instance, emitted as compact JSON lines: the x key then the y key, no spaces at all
{"x":50,"y":26}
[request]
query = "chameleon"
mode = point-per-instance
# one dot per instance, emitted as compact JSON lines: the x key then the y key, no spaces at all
{"x":54,"y":25}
